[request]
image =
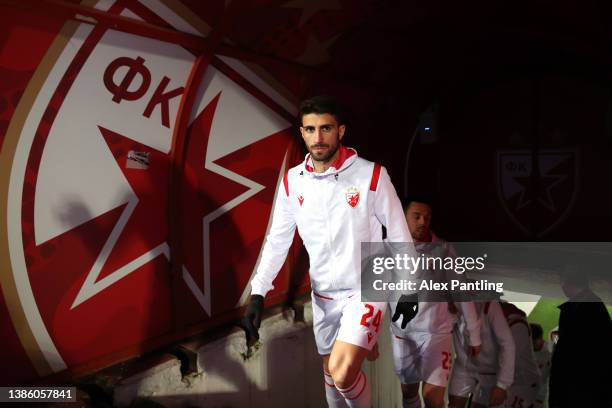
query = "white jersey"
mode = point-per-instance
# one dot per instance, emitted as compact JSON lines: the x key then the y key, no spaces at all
{"x":543,"y":359}
{"x":526,"y":370}
{"x":334,"y":212}
{"x":435,"y":317}
{"x":497,"y":352}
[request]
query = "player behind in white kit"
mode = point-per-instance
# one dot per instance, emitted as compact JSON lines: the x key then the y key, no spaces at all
{"x":524,"y":389}
{"x":422,"y":348}
{"x":543,"y":356}
{"x":337,"y":200}
{"x":488,"y":376}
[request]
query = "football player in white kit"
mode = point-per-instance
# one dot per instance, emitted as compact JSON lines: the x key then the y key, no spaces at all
{"x":422,"y":348}
{"x":524,"y":389}
{"x":488,"y":376}
{"x":336,"y":200}
{"x":543,"y":357}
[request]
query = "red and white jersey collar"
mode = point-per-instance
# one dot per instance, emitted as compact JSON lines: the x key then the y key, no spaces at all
{"x":346,"y":157}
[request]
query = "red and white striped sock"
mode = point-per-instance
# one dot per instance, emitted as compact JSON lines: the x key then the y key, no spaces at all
{"x":332,"y":396}
{"x":358,"y":394}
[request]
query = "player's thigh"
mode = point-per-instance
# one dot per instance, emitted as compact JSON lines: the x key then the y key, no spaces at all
{"x":347,"y":352}
{"x":455,"y":401}
{"x":345,"y":362}
{"x":433,"y":395}
{"x":410,"y":390}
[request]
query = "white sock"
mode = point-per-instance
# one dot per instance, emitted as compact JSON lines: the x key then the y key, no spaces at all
{"x":359,"y":394}
{"x":414,"y":402}
{"x":332,"y":396}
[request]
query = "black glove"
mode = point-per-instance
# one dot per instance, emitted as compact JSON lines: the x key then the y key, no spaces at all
{"x":408,"y":307}
{"x":252,"y":317}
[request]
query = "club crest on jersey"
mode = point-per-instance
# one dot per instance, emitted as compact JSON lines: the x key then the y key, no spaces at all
{"x":301,"y":200}
{"x":352,"y":196}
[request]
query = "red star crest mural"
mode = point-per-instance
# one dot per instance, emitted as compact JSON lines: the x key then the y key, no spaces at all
{"x":90,"y":258}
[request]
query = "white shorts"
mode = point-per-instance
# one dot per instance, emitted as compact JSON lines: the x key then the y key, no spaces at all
{"x":420,"y":356}
{"x":462,"y":382}
{"x":522,"y":396}
{"x":342,"y":316}
{"x":486,"y":383}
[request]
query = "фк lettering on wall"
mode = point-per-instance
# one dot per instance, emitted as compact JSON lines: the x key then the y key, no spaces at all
{"x":87,"y":233}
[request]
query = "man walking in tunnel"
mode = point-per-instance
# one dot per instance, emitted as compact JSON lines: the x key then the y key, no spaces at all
{"x":422,"y":349}
{"x":337,"y":200}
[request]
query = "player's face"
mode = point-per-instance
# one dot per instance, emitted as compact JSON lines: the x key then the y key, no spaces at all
{"x":322,"y":135}
{"x":418,"y":216}
{"x":537,"y":344}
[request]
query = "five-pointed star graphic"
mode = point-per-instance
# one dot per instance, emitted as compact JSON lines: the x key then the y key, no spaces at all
{"x":225,"y":235}
{"x":139,"y":235}
{"x":538,"y":188}
{"x":316,"y":52}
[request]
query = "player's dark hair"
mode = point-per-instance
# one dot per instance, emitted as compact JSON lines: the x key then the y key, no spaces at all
{"x":322,"y":104}
{"x":536,"y":331}
{"x":418,"y":198}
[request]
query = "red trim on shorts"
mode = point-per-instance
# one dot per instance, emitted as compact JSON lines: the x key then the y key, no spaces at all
{"x":375,"y":177}
{"x":365,"y":381}
{"x":286,"y":182}
{"x":401,"y":338}
{"x":321,"y":296}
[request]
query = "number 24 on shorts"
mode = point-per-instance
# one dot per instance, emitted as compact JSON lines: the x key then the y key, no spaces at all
{"x":365,"y":319}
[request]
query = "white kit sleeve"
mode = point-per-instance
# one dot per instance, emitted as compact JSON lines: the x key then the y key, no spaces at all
{"x":468,"y":310}
{"x":503,"y":336}
{"x":277,"y":245}
{"x":388,"y":210}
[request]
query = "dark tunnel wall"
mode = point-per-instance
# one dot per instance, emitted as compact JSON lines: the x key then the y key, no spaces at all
{"x":522,"y":146}
{"x":482,"y":167}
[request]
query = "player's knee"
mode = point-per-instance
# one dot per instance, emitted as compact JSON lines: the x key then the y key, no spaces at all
{"x":433,"y":396}
{"x":344,"y":371}
{"x":434,"y":401}
{"x":410,"y":390}
{"x":456,"y":401}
